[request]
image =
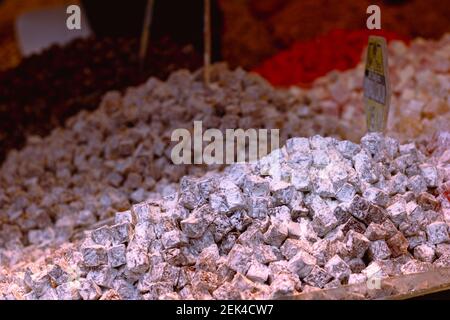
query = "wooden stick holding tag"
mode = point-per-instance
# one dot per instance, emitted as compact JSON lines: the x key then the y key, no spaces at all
{"x":377,"y":89}
{"x":145,"y":35}
{"x":207,"y":41}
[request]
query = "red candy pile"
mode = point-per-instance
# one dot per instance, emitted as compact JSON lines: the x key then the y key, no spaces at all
{"x":303,"y":62}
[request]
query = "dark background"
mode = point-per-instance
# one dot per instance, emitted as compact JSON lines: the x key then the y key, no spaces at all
{"x":182,"y":20}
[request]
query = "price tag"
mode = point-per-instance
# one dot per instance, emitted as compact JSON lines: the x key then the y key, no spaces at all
{"x":377,"y":90}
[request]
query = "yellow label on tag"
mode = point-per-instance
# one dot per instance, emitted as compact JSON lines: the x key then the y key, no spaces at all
{"x":376,"y":85}
{"x":375,"y":57}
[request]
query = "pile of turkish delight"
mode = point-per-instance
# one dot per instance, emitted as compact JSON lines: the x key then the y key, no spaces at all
{"x":97,"y":209}
{"x":317,"y":213}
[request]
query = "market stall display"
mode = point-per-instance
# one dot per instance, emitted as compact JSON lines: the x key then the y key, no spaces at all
{"x":130,"y":179}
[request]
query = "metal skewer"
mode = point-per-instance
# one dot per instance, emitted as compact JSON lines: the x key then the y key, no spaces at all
{"x":145,"y":35}
{"x":207,"y":41}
